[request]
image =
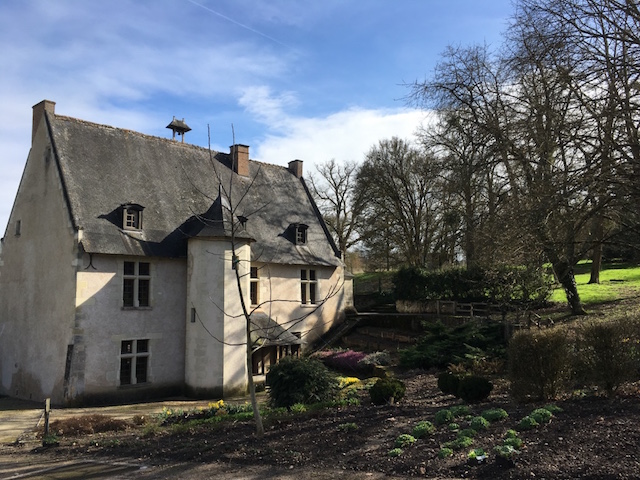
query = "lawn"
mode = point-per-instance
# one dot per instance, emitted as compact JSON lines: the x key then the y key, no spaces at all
{"x":618,"y":281}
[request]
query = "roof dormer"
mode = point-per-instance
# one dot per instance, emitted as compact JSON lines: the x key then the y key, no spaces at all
{"x":131,"y":216}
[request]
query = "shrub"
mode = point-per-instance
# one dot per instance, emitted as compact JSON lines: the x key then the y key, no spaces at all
{"x":514,"y":442}
{"x":343,"y":360}
{"x":460,"y":411}
{"x":467,"y":432}
{"x":553,"y":408}
{"x":511,"y":433}
{"x":527,"y":423}
{"x":445,"y":452}
{"x":506,"y":452}
{"x":395,"y":452}
{"x":448,"y":383}
{"x":477,"y":454}
{"x":423,"y":428}
{"x":459,"y":443}
{"x":298,"y":408}
{"x":443,"y":416}
{"x":454,"y":427}
{"x":387,"y":390}
{"x":494,"y":414}
{"x":539,"y":363}
{"x":541,"y":415}
{"x":474,"y":389}
{"x":478,"y":423}
{"x":404,"y":440}
{"x":300,"y":380}
{"x":608,"y":353}
{"x":375,"y":359}
{"x":347,"y":427}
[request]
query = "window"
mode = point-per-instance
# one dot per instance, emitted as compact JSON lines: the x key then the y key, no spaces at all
{"x":134,"y":362}
{"x":136,"y":285}
{"x":132,"y":216}
{"x":18,"y":227}
{"x":300,"y":231}
{"x":254,"y":286}
{"x":308,"y":286}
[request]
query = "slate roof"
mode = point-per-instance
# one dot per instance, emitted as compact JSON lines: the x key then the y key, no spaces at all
{"x":179,"y":186}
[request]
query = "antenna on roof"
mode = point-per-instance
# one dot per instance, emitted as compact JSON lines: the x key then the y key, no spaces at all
{"x":179,"y":127}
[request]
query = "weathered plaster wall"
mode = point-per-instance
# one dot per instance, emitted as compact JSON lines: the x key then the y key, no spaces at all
{"x":215,"y":342}
{"x":101,"y":324}
{"x":37,"y":282}
{"x":280,"y":289}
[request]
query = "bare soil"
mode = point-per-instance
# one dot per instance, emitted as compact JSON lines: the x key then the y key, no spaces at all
{"x":594,"y":437}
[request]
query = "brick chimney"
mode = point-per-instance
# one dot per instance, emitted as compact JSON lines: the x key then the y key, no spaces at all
{"x":38,"y":113}
{"x":295,"y":167}
{"x":240,"y":159}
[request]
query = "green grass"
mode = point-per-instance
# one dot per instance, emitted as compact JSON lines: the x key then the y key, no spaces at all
{"x":617,"y":282}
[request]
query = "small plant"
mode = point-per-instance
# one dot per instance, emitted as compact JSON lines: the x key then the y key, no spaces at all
{"x":511,"y":433}
{"x":298,"y":408}
{"x":527,"y":423}
{"x":387,"y":390}
{"x":479,"y":423}
{"x":553,"y":408}
{"x":506,"y":452}
{"x":150,"y":430}
{"x":541,"y":415}
{"x":50,"y":440}
{"x":514,"y":442}
{"x":459,"y":411}
{"x":477,"y":455}
{"x":347,"y":427}
{"x":467,"y":432}
{"x":423,"y":429}
{"x":454,"y":427}
{"x":395,"y":452}
{"x":299,"y":380}
{"x":474,"y":389}
{"x":445,"y":452}
{"x":405,"y":440}
{"x":443,"y":416}
{"x":494,"y":414}
{"x":459,"y":443}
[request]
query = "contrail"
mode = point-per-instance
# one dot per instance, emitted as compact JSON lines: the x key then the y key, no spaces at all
{"x":238,"y":23}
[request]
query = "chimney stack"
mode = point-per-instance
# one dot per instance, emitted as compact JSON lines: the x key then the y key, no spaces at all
{"x":295,"y":167}
{"x":38,"y":113}
{"x":240,"y":159}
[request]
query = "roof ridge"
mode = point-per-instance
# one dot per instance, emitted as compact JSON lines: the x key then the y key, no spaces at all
{"x":134,"y":132}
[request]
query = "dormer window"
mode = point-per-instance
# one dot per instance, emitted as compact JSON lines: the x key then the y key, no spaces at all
{"x":300,"y":232}
{"x":132,"y":216}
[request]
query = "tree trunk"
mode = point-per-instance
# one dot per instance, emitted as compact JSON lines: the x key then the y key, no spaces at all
{"x":564,"y":273}
{"x":596,"y":263}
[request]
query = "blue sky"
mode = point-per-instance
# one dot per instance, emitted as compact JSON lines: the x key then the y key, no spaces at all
{"x":297,"y":79}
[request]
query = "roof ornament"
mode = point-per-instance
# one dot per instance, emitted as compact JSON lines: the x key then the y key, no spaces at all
{"x":179,"y":127}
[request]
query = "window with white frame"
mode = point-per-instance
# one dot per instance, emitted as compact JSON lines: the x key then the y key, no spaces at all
{"x":136,"y":288}
{"x":308,"y":286}
{"x":132,"y":216}
{"x":134,"y":362}
{"x":254,"y":286}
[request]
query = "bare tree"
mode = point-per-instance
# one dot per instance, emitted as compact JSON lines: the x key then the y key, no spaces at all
{"x":338,"y":201}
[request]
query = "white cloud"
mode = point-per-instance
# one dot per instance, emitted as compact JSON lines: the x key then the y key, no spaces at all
{"x":345,"y":136}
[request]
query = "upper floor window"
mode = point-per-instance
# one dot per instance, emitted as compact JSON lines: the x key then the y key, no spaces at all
{"x":132,"y":216}
{"x":299,"y":233}
{"x":254,"y":286}
{"x":308,"y":286}
{"x":136,"y":288}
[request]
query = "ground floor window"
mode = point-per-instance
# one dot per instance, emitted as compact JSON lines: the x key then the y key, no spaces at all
{"x":134,"y":362}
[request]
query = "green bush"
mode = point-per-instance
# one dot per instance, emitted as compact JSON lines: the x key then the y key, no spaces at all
{"x":514,"y":442}
{"x":448,"y":383}
{"x":423,"y":429}
{"x":478,"y":423}
{"x":443,"y":416}
{"x":404,"y":440}
{"x":474,"y":389}
{"x":494,"y":414}
{"x":459,"y":443}
{"x":608,"y":354}
{"x":467,"y":432}
{"x":387,"y":390}
{"x":395,"y":452}
{"x":454,"y":427}
{"x":445,"y":452}
{"x":300,"y":380}
{"x":541,"y":415}
{"x":460,"y":411}
{"x":540,"y":363}
{"x":527,"y":423}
